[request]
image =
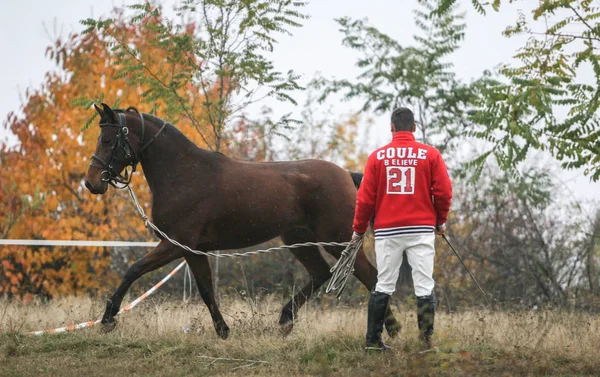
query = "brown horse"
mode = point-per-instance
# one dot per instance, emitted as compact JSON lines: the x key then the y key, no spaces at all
{"x":208,"y":201}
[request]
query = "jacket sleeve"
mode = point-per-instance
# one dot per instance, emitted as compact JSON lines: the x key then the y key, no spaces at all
{"x":441,"y":188}
{"x":366,"y":197}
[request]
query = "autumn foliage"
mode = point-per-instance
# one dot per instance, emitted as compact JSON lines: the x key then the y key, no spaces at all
{"x":41,"y":178}
{"x":41,"y":190}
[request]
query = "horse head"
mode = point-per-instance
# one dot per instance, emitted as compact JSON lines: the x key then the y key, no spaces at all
{"x":118,"y":146}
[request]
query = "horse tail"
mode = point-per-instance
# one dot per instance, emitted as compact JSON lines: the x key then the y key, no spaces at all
{"x":356,"y":178}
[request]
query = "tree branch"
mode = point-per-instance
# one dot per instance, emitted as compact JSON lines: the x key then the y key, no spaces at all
{"x":581,"y":18}
{"x":561,"y":35}
{"x":155,"y":77}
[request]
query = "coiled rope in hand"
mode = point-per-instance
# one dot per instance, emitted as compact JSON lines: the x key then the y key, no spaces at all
{"x":344,"y":267}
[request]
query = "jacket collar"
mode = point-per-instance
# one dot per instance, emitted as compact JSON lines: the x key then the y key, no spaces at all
{"x":403,"y":136}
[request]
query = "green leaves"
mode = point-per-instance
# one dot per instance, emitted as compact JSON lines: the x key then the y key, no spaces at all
{"x":86,"y":103}
{"x":417,"y":76}
{"x":224,"y":54}
{"x":542,"y":101}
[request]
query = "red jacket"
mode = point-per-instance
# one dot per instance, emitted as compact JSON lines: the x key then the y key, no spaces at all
{"x":406,"y":186}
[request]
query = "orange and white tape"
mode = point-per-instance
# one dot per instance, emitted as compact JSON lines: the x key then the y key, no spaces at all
{"x":126,"y":308}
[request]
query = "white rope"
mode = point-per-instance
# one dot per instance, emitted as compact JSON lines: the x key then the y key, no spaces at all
{"x":130,"y":306}
{"x":219,"y":255}
{"x":343,"y":268}
{"x":187,"y":283}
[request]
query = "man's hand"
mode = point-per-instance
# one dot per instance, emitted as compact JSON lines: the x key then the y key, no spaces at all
{"x":440,"y":229}
{"x":356,"y":236}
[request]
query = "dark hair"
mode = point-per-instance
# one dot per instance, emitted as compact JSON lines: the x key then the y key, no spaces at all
{"x":403,"y":119}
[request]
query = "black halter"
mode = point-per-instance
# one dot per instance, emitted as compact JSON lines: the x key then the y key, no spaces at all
{"x":122,"y":145}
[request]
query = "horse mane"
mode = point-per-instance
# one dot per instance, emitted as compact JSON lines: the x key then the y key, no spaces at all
{"x":156,"y":120}
{"x":133,"y":109}
{"x":130,"y":109}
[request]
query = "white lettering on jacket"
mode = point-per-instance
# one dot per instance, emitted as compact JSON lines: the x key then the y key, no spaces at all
{"x":397,"y":162}
{"x":401,"y":152}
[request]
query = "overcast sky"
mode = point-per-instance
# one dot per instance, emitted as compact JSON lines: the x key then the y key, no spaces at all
{"x":27,"y":27}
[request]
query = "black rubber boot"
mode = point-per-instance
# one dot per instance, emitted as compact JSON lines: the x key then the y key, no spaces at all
{"x":426,"y":318}
{"x":378,"y":304}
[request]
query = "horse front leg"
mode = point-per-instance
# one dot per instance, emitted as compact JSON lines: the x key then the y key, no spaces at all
{"x":162,"y":254}
{"x":202,"y":272}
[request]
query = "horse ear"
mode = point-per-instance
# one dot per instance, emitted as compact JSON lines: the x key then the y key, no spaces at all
{"x":99,"y":110}
{"x":108,"y":112}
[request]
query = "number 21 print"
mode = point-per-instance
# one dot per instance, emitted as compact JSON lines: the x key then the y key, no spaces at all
{"x":400,"y":179}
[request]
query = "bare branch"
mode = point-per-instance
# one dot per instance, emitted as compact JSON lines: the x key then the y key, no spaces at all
{"x":581,"y":18}
{"x":562,"y":35}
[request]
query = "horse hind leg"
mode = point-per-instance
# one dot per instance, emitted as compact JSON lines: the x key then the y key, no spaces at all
{"x":317,"y":267}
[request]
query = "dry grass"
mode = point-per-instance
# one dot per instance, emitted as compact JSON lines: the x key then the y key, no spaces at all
{"x":151,"y":341}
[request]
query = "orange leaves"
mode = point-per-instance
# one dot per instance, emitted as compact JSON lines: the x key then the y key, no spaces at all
{"x":11,"y":277}
{"x":41,"y":191}
{"x":14,"y":279}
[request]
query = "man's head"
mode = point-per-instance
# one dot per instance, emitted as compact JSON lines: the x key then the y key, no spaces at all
{"x":403,"y":120}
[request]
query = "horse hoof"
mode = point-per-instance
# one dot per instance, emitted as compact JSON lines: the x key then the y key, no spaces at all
{"x":108,"y":326}
{"x":223,"y":332}
{"x":286,"y":328}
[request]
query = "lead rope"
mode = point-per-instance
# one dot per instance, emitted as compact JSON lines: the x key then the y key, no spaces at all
{"x":187,"y":283}
{"x":343,"y":268}
{"x":481,"y":289}
{"x":149,"y":224}
{"x":466,"y":268}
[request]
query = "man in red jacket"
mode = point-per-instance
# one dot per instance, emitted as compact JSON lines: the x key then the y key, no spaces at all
{"x":407,"y":188}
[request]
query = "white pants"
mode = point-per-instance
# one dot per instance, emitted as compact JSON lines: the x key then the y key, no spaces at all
{"x":420,"y":251}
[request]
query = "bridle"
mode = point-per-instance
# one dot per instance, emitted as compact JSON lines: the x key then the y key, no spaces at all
{"x":123,"y":145}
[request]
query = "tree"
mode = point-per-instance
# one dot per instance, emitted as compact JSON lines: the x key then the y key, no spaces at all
{"x":542,"y":102}
{"x":12,"y":206}
{"x":593,"y":256}
{"x":508,"y":223}
{"x":415,"y":76}
{"x":42,"y":192}
{"x":525,"y":244}
{"x":317,"y":136}
{"x":225,"y":58}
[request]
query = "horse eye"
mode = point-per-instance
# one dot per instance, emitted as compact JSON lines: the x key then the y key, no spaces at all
{"x":106,"y":140}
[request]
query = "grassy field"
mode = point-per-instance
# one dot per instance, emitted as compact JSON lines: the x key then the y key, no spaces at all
{"x":162,"y":338}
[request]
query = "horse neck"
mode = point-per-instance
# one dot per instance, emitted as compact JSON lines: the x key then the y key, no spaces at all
{"x":169,"y":157}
